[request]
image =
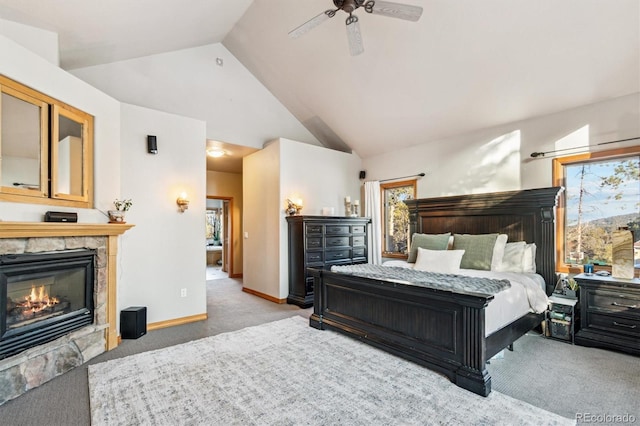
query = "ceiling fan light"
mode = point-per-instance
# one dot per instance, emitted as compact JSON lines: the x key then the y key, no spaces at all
{"x":215,"y":152}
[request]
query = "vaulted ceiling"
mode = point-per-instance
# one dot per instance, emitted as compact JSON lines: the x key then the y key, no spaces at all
{"x":465,"y":65}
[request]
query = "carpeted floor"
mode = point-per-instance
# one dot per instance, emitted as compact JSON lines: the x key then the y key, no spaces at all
{"x":287,"y":373}
{"x":571,"y":380}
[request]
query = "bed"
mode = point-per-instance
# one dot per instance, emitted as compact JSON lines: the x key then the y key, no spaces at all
{"x":441,"y":329}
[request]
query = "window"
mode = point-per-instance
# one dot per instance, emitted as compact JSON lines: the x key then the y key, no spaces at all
{"x":602,"y":194}
{"x":395,"y":217}
{"x":46,"y":149}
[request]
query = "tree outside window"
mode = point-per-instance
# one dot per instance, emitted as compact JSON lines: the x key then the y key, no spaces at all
{"x":395,"y":226}
{"x":602,"y":194}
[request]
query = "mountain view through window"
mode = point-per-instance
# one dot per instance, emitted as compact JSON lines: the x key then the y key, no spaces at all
{"x":601,"y":197}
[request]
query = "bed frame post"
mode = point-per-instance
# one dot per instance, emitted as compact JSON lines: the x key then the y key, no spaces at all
{"x":473,"y":374}
{"x":315,"y":320}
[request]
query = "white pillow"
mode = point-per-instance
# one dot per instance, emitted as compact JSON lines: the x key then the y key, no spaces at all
{"x":498,"y":252}
{"x":529,"y":259}
{"x":513,"y":258}
{"x":443,"y":261}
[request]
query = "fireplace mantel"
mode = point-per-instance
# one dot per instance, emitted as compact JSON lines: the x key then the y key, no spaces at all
{"x":61,"y":229}
{"x":65,"y":229}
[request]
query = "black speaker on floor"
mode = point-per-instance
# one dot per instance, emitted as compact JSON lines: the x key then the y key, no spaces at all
{"x":133,"y":322}
{"x":152,"y":144}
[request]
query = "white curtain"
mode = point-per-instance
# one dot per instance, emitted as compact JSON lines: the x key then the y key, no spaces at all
{"x":372,"y":209}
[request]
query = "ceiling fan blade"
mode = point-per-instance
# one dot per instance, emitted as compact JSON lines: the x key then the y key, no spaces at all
{"x":394,"y":10}
{"x":312,"y":23}
{"x":353,"y":36}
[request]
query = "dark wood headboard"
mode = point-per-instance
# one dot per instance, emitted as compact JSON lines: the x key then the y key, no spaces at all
{"x":527,"y":215}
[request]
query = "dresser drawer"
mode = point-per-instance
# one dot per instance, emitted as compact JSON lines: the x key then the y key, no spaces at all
{"x":314,"y":229}
{"x":358,"y":252}
{"x":314,"y":242}
{"x":337,"y":255}
{"x":337,"y":229}
{"x":357,"y":229}
{"x":614,"y":302}
{"x":613,"y":323}
{"x":337,"y":242}
{"x":358,"y":241}
{"x":315,"y":257}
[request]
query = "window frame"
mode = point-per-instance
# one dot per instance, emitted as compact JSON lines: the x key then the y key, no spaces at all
{"x":390,"y":185}
{"x":559,"y":179}
{"x":51,"y":110}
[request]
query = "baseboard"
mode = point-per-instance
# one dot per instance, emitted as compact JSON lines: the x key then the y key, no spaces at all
{"x":264,"y":296}
{"x":176,"y":321}
{"x":235,"y":275}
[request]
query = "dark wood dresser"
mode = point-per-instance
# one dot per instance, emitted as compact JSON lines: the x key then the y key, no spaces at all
{"x":319,"y":242}
{"x":610,"y":313}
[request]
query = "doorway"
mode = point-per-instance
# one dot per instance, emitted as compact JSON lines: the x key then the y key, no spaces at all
{"x":219,"y":227}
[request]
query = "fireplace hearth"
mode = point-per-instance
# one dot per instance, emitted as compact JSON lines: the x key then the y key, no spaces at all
{"x":44,"y":296}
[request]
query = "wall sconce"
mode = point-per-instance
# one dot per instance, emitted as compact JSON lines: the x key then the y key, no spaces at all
{"x":183,"y":202}
{"x":294,"y":206}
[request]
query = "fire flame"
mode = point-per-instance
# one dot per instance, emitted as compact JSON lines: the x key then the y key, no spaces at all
{"x":38,"y":300}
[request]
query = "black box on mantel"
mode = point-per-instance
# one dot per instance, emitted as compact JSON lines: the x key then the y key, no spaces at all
{"x":133,"y":322}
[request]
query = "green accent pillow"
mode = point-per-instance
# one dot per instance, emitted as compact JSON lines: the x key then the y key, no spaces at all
{"x":478,"y":250}
{"x":427,"y":241}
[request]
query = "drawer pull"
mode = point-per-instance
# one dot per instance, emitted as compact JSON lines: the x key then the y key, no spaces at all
{"x":624,"y":325}
{"x":624,"y":306}
{"x":337,"y":256}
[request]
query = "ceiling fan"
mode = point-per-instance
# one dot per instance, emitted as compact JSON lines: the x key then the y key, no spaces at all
{"x":377,"y":7}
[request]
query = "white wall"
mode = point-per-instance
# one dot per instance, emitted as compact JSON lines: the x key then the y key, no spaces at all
{"x":499,"y":158}
{"x":38,"y":73}
{"x":165,"y":251}
{"x":41,"y":42}
{"x":288,"y":169}
{"x":238,"y":109}
{"x":260,"y":219}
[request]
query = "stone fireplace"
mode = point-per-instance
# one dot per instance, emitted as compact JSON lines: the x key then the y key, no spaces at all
{"x":44,"y":296}
{"x":31,"y":367}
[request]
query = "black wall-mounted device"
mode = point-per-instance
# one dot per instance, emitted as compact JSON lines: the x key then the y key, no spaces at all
{"x":152,"y":144}
{"x":363,"y":174}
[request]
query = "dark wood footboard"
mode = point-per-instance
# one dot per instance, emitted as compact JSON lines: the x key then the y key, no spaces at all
{"x":441,"y":330}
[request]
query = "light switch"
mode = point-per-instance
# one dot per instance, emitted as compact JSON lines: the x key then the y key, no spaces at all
{"x":246,"y":235}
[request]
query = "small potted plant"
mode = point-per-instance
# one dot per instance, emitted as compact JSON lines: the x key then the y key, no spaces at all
{"x":118,"y":215}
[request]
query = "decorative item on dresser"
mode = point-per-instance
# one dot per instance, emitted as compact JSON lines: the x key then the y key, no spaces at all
{"x":610,"y":313}
{"x":322,"y":241}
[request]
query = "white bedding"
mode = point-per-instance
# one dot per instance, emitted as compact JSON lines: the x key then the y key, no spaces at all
{"x":525,"y":295}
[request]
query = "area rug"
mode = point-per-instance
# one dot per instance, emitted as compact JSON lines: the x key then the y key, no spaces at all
{"x":287,"y":373}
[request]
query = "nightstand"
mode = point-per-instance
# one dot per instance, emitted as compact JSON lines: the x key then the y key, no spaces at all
{"x":562,"y":318}
{"x":610,"y":313}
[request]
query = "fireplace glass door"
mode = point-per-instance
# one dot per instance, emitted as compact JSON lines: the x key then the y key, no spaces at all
{"x":44,"y":296}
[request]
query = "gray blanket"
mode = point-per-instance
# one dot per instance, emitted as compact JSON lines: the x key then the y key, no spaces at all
{"x":454,"y":283}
